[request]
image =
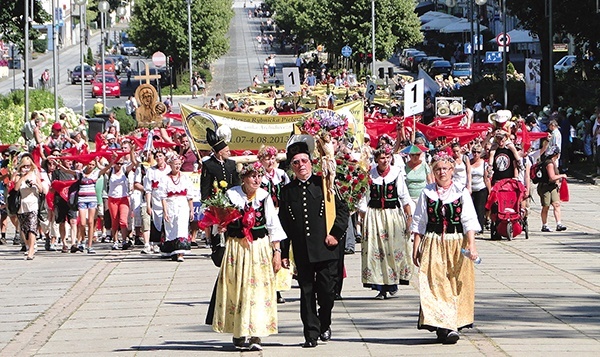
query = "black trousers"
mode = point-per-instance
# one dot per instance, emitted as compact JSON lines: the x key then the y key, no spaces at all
{"x":317,"y":282}
{"x":479,"y":200}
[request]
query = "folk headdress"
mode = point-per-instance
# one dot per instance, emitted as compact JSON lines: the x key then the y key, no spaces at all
{"x":218,"y":140}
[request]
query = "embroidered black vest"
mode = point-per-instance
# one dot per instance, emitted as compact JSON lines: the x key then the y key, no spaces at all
{"x":384,"y":196}
{"x":259,"y":230}
{"x":440,"y":216}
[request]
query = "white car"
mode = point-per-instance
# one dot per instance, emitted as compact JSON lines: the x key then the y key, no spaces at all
{"x":565,"y":64}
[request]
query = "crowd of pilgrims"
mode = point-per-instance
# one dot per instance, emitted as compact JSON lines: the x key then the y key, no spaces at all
{"x":425,"y":202}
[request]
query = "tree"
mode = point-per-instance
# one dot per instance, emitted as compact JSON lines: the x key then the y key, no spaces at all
{"x":12,"y":23}
{"x":336,"y":23}
{"x":161,"y":25}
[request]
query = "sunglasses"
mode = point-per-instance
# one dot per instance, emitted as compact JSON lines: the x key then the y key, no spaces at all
{"x":299,"y":162}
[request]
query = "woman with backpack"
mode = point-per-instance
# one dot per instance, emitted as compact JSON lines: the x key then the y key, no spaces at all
{"x":548,"y":188}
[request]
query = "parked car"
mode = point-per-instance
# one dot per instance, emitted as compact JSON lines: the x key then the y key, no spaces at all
{"x":411,"y":58}
{"x":461,"y":69}
{"x":120,"y":62}
{"x":129,"y":49}
{"x":109,"y":65}
{"x":416,"y":61}
{"x":565,"y":63}
{"x":88,"y":74}
{"x":112,"y":86}
{"x":404,"y":59}
{"x":426,"y":62}
{"x":442,"y":67}
{"x":403,"y":54}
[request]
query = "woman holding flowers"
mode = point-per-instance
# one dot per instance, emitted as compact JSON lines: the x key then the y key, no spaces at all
{"x":445,"y":221}
{"x":386,"y":246}
{"x":245,"y":303}
{"x":175,"y":191}
{"x":273,"y":180}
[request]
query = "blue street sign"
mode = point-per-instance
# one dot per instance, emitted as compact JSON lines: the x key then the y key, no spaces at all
{"x":346,"y":51}
{"x":493,"y":57}
{"x":468,"y":49}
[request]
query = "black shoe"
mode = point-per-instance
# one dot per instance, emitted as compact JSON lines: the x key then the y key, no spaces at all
{"x":2,"y":241}
{"x":74,"y":249}
{"x":546,"y":229}
{"x":338,"y":297}
{"x":16,"y":240}
{"x":310,"y":344}
{"x":326,"y":335}
{"x":127,"y":244}
{"x":47,"y":245}
{"x":451,"y":338}
{"x":348,"y":251}
{"x":23,"y":248}
{"x":381,"y":296}
{"x":194,"y":244}
{"x":280,"y":300}
{"x":441,"y":333}
{"x":138,"y":241}
{"x":560,"y":227}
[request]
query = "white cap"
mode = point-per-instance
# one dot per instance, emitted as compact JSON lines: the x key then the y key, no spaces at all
{"x":109,"y":136}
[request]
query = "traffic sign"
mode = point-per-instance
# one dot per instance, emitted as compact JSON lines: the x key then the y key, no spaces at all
{"x":503,"y":39}
{"x":159,"y":59}
{"x":413,"y":98}
{"x":346,"y":51}
{"x":468,"y":49}
{"x":291,"y":79}
{"x":493,"y":57}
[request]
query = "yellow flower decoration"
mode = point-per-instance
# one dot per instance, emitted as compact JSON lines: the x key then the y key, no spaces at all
{"x":223,"y":184}
{"x":215,"y":184}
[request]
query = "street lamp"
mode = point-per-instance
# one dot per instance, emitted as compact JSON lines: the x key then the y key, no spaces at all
{"x":82,"y":5}
{"x":103,"y":7}
{"x":189,"y":13}
{"x":479,"y":3}
{"x":121,"y":11}
{"x":26,"y":60}
{"x":373,"y":39}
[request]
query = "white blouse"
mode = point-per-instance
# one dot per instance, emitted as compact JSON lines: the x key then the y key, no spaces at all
{"x":395,"y":173}
{"x":273,"y":225}
{"x":468,"y":217}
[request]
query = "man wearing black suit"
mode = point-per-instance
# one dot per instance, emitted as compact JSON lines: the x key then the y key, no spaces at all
{"x":316,"y":251}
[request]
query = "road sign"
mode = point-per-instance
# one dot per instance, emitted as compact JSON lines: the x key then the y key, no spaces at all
{"x":346,"y":51}
{"x":493,"y":57}
{"x":501,"y":48}
{"x":413,"y":98}
{"x":503,"y":39}
{"x":370,"y":92}
{"x":159,"y":59}
{"x":468,"y":48}
{"x":478,"y":42}
{"x":291,"y":79}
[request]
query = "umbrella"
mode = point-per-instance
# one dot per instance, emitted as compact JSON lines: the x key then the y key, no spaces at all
{"x":463,"y":25}
{"x":432,"y":15}
{"x":520,"y":36}
{"x":439,"y":23}
{"x":413,"y":149}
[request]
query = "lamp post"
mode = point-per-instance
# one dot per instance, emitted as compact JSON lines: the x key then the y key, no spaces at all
{"x":504,"y":50}
{"x":26,"y":59}
{"x":189,"y":14}
{"x":373,"y":39}
{"x":103,"y":7}
{"x":479,"y":3}
{"x":82,"y":8}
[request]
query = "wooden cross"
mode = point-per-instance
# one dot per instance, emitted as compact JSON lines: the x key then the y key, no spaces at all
{"x":148,"y":77}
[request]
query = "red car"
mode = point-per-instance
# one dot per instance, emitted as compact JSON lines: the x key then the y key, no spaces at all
{"x":113,"y":86}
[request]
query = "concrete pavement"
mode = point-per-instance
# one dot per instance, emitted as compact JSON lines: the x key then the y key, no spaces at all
{"x":533,"y":297}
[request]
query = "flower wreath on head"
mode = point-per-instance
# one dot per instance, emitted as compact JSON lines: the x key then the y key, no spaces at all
{"x":383,"y":149}
{"x":248,"y":168}
{"x":387,"y":138}
{"x":266,"y":151}
{"x":442,"y":156}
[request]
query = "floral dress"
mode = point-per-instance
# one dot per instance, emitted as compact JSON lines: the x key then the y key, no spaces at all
{"x":386,"y":250}
{"x":446,"y":277}
{"x":177,"y":192}
{"x":246,"y":303}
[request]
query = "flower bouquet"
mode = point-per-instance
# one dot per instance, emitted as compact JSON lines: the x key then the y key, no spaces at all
{"x":219,"y":210}
{"x":351,"y":179}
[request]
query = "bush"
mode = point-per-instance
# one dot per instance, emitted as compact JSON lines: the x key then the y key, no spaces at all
{"x":183,"y":83}
{"x":38,"y":99}
{"x":128,"y":124}
{"x":40,"y":45}
{"x":89,"y":58}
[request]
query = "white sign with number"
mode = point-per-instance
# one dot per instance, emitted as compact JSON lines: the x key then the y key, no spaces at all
{"x":413,"y":98}
{"x":291,"y":79}
{"x":371,"y":89}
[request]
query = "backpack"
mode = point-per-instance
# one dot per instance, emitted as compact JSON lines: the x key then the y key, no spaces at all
{"x":537,"y":173}
{"x":13,"y":201}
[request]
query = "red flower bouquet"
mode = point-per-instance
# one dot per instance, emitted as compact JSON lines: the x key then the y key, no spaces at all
{"x":219,"y":209}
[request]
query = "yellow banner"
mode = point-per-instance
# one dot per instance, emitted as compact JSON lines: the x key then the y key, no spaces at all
{"x":251,"y":131}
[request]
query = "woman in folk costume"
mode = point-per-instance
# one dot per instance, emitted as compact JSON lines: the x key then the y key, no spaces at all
{"x":245,"y":302}
{"x":273,"y":180}
{"x":154,"y":176}
{"x":386,"y":244}
{"x":175,"y":192}
{"x":444,"y":222}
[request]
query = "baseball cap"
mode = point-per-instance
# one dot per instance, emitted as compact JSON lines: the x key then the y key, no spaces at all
{"x":56,"y":126}
{"x":110,"y":136}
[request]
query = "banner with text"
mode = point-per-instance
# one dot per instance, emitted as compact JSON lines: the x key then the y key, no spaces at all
{"x":251,"y":131}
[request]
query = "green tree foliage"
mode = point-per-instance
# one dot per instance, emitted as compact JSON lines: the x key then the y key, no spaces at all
{"x":89,"y":58}
{"x":161,"y":25}
{"x":12,"y":24}
{"x":336,"y":23}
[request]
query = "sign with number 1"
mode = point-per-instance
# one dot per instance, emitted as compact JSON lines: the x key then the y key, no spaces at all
{"x":291,"y":79}
{"x":413,"y":98}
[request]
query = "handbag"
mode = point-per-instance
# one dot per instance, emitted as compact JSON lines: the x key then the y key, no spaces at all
{"x":13,"y":201}
{"x":43,"y":208}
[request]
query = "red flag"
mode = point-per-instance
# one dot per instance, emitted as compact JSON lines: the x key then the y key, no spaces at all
{"x":62,"y":187}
